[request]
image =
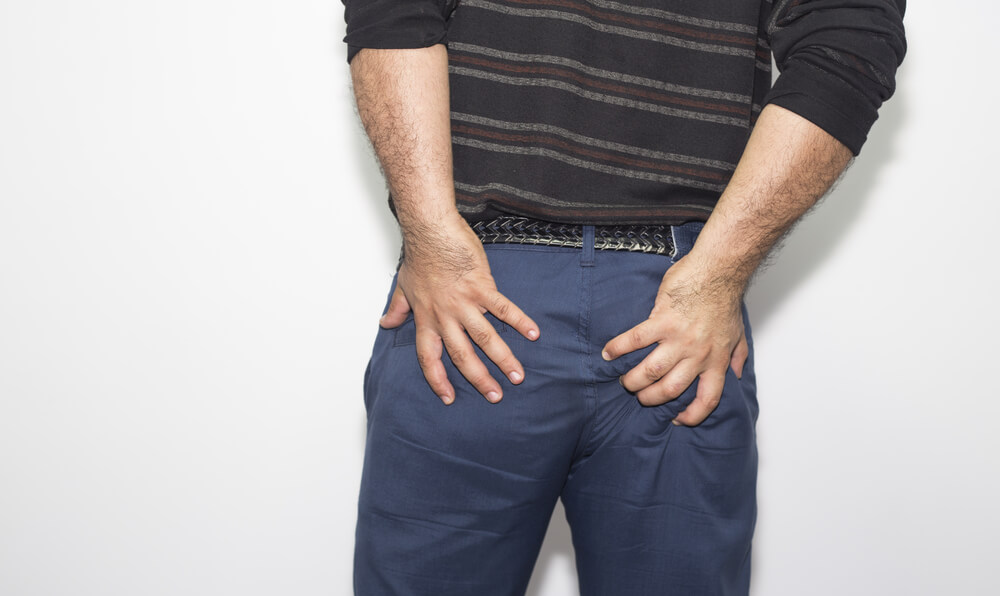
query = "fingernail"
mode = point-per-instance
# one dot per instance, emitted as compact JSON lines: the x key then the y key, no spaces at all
{"x":515,"y":377}
{"x":675,"y":422}
{"x":605,"y":355}
{"x":620,"y":381}
{"x":493,"y":396}
{"x":447,"y":400}
{"x":532,"y":334}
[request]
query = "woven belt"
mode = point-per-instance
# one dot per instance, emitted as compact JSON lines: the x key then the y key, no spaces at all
{"x":525,"y":230}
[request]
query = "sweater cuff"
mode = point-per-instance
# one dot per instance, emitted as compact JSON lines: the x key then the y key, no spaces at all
{"x":395,"y":42}
{"x":825,"y":100}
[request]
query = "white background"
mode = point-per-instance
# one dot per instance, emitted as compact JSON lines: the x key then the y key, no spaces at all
{"x":182,"y":340}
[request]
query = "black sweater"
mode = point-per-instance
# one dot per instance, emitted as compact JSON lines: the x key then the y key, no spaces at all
{"x":598,"y":111}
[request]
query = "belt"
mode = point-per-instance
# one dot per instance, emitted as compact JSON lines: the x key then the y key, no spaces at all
{"x":516,"y":229}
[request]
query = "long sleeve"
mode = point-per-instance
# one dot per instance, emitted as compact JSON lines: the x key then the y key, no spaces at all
{"x":837,"y":60}
{"x":390,"y":24}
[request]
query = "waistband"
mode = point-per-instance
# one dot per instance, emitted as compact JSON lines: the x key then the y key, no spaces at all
{"x":673,"y":241}
{"x":516,"y":229}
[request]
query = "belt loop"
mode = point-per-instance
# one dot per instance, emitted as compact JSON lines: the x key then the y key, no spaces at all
{"x":587,"y":257}
{"x":684,"y":236}
{"x":675,"y":248}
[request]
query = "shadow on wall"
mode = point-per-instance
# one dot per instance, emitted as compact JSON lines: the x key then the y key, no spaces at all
{"x":828,"y":223}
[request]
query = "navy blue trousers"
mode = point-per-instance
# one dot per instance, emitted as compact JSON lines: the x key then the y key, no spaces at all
{"x":455,"y":499}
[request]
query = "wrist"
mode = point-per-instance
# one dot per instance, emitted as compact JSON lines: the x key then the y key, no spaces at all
{"x":726,"y":253}
{"x":709,"y":276}
{"x":419,"y":223}
{"x":447,"y":235}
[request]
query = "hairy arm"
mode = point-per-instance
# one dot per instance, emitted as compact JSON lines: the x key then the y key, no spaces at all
{"x":837,"y":60}
{"x":788,"y":164}
{"x":402,"y":99}
{"x":445,"y":279}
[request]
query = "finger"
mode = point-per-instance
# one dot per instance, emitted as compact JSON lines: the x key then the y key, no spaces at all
{"x":637,"y":337}
{"x":465,"y":359}
{"x":672,"y":385}
{"x":740,"y":355}
{"x":706,"y":400}
{"x":429,"y":358}
{"x":399,"y":306}
{"x":508,"y":312}
{"x":487,"y":338}
{"x":653,"y":367}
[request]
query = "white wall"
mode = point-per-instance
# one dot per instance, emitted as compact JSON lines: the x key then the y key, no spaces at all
{"x":182,"y":341}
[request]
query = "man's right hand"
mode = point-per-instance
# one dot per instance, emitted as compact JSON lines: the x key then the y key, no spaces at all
{"x":445,"y":280}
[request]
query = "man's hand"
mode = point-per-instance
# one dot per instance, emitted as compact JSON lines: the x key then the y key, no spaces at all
{"x":787,"y":165}
{"x":699,"y":326}
{"x":445,"y":279}
{"x":402,"y":97}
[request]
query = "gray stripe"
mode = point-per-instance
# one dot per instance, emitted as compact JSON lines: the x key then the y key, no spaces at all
{"x":477,"y":208}
{"x":610,"y":99}
{"x":598,"y":72}
{"x":591,"y":141}
{"x":612,"y":29}
{"x":524,"y":194}
{"x":589,"y":165}
{"x":547,"y":200}
{"x":672,"y":16}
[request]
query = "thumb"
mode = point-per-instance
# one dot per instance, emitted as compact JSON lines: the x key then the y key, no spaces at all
{"x":398,"y":308}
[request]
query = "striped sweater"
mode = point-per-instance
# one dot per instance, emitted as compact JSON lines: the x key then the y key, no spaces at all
{"x":599,"y":111}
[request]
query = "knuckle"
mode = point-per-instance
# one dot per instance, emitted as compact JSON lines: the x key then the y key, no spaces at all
{"x":673,"y":388}
{"x":459,"y":357}
{"x":484,"y":382}
{"x":501,"y":307}
{"x":424,"y":359}
{"x":636,"y":336}
{"x":654,"y":370}
{"x":718,"y":364}
{"x":701,"y":351}
{"x":508,"y":362}
{"x":481,"y":336}
{"x":438,"y":386}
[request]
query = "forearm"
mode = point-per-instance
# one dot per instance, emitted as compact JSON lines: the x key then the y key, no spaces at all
{"x":788,"y":164}
{"x":403,"y":101}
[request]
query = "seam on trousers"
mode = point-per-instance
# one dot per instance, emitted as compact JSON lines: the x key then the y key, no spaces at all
{"x":583,"y":335}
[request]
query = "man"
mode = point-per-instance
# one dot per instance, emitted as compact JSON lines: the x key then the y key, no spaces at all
{"x":584,"y":189}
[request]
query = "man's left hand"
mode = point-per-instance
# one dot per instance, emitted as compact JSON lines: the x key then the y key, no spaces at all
{"x":698,"y":323}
